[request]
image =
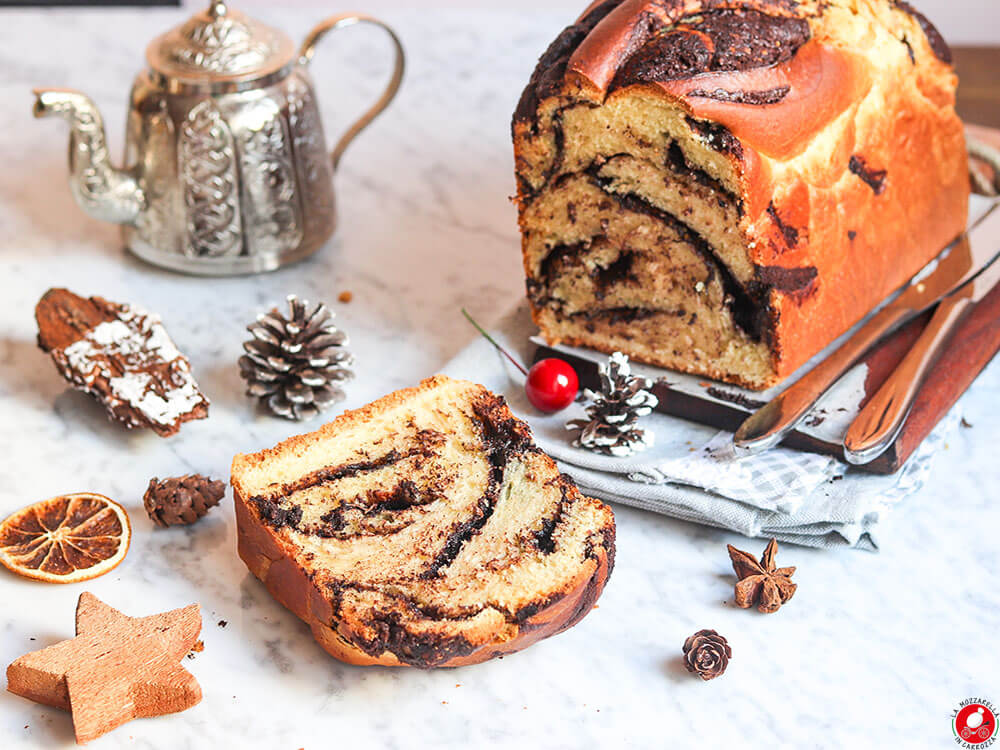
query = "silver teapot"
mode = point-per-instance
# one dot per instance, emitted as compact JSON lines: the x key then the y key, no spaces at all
{"x":226,"y":169}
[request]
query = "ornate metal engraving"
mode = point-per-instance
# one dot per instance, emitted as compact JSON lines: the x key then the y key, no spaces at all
{"x":226,"y":170}
{"x":101,"y":190}
{"x":271,"y":213}
{"x":209,"y":182}
{"x":223,"y":45}
{"x":311,"y":157}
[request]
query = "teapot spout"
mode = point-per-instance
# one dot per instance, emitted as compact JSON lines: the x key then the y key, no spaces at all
{"x":105,"y":193}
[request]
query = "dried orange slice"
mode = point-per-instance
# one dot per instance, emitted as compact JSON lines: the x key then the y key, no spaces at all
{"x":65,"y":539}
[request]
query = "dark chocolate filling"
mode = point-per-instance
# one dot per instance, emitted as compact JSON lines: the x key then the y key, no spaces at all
{"x":748,"y":305}
{"x":428,"y":441}
{"x":606,"y":541}
{"x":556,"y":257}
{"x":543,"y":537}
{"x":502,"y":438}
{"x":716,"y":136}
{"x":756,"y":98}
{"x":365,"y":512}
{"x":873,"y":178}
{"x":559,"y":140}
{"x":619,"y":271}
{"x":940,"y":47}
{"x":790,"y":233}
{"x":734,"y":398}
{"x":788,"y":280}
{"x":276,"y":516}
{"x":415,"y":649}
{"x":909,"y":50}
{"x":679,"y":164}
{"x":749,"y":314}
{"x":547,"y":78}
{"x":715,"y":40}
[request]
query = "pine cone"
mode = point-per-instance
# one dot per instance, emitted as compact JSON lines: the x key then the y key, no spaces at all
{"x":293,"y":364}
{"x":181,"y":500}
{"x":707,"y":654}
{"x":611,"y":428}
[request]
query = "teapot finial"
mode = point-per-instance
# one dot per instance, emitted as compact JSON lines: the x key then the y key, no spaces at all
{"x":217,"y":8}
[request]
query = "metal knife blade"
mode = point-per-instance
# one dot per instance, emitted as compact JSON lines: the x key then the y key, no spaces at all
{"x":972,"y":252}
{"x":984,"y":281}
{"x":877,"y":425}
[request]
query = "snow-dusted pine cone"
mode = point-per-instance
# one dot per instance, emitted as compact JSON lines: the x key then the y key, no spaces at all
{"x":294,"y":364}
{"x":610,"y":427}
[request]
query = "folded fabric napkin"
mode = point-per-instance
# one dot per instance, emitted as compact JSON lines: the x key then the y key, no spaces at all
{"x":692,"y":473}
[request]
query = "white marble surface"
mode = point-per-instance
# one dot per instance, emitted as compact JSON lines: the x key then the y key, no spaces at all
{"x":874,"y":651}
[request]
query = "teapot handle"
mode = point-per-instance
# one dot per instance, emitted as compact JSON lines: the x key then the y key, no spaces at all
{"x":309,"y":48}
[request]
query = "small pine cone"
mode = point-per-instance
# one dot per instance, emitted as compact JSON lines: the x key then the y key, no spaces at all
{"x":294,"y":364}
{"x":181,"y":500}
{"x":610,"y":426}
{"x":707,"y":654}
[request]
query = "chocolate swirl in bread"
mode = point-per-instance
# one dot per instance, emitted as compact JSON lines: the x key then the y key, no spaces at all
{"x":425,"y":530}
{"x":724,"y":186}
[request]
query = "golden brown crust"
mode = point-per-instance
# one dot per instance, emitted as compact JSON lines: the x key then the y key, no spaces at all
{"x":847,"y":154}
{"x":288,"y":583}
{"x":350,"y":634}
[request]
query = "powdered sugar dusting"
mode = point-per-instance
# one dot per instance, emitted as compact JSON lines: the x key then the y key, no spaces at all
{"x":149,"y":382}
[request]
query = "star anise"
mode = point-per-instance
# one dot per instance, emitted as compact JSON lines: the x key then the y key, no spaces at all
{"x":761,"y":583}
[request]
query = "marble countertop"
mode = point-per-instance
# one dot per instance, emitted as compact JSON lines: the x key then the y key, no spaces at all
{"x":875,"y":650}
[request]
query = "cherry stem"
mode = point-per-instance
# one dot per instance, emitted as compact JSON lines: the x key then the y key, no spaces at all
{"x":499,"y":348}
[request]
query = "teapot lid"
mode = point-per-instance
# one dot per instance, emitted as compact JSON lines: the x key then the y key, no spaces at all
{"x":220,"y":46}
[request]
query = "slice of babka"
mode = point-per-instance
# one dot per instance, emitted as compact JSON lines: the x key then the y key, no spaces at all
{"x":724,"y":186}
{"x":425,"y":529}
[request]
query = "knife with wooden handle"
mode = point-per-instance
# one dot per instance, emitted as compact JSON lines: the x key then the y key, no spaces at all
{"x":876,"y":426}
{"x":970,"y":254}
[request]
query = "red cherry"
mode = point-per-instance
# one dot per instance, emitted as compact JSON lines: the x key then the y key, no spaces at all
{"x":552,"y":385}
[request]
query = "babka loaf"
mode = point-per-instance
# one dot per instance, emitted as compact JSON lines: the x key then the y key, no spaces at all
{"x":425,"y":529}
{"x":723,"y":187}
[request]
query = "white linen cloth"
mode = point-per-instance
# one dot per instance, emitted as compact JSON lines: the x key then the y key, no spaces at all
{"x":692,"y":473}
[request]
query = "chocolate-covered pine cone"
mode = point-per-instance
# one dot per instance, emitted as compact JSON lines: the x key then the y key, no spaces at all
{"x":425,"y":529}
{"x":725,"y":187}
{"x":180,"y":501}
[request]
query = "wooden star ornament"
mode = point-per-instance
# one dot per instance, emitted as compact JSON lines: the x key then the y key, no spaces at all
{"x":118,"y":668}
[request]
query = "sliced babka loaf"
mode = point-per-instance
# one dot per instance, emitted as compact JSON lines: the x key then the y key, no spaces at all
{"x":725,"y":186}
{"x":425,"y":529}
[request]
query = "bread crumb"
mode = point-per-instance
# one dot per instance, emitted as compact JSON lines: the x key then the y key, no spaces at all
{"x":345,"y":296}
